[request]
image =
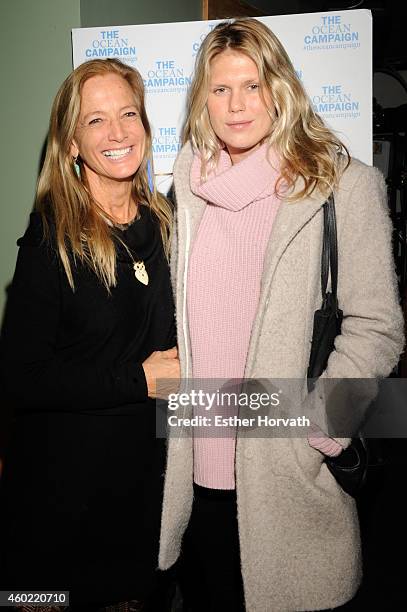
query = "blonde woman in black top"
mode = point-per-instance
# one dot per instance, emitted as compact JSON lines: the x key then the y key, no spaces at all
{"x":88,"y":330}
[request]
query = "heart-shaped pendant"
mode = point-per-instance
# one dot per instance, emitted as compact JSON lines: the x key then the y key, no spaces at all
{"x":140,"y":272}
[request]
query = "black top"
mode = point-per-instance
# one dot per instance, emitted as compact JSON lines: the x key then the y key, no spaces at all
{"x":82,"y":483}
{"x":82,"y":350}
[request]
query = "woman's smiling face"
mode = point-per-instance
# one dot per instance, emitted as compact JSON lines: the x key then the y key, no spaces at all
{"x":110,"y":136}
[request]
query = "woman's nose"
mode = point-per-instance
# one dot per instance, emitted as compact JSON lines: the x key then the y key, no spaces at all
{"x":236,"y":102}
{"x":116,"y":131}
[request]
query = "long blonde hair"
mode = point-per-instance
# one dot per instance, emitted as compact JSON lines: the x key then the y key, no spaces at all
{"x":306,"y":146}
{"x":81,"y":229}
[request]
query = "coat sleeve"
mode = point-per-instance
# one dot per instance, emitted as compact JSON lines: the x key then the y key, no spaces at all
{"x":34,"y":374}
{"x":372,"y":334}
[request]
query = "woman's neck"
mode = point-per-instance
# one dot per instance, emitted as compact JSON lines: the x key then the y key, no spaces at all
{"x":115,"y":197}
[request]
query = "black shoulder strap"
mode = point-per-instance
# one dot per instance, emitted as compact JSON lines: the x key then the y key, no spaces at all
{"x":329,"y":258}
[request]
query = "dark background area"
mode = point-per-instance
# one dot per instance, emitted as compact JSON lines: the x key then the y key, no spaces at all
{"x":389,"y":44}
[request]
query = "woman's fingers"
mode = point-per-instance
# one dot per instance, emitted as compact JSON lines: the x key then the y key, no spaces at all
{"x":171,"y":353}
{"x":162,"y":366}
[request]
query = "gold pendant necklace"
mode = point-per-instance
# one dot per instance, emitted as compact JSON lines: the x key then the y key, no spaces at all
{"x":140,"y":272}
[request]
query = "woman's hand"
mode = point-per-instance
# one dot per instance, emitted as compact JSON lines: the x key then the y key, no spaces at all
{"x":162,"y":366}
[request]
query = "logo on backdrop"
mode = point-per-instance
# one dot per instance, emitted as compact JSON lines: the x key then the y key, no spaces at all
{"x":166,"y":143}
{"x":334,"y":103}
{"x":331,"y":33}
{"x":110,"y":44}
{"x":197,"y":43}
{"x":166,"y":77}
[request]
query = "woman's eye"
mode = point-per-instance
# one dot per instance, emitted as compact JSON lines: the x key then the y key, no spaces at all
{"x":219,"y":90}
{"x":95,"y":121}
{"x":131,"y":114}
{"x":254,"y":86}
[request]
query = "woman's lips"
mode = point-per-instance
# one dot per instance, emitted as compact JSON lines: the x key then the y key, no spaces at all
{"x":117,"y":154}
{"x":239,"y":125}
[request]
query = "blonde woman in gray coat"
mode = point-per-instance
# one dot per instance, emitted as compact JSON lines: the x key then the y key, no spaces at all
{"x":262,"y":524}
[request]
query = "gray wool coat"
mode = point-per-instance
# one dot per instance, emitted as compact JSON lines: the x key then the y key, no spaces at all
{"x":299,"y":532}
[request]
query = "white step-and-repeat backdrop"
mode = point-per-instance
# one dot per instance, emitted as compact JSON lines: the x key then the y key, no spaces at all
{"x":331,"y":52}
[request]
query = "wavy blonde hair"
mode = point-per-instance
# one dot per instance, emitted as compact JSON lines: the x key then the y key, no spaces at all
{"x":306,"y":146}
{"x":81,"y":229}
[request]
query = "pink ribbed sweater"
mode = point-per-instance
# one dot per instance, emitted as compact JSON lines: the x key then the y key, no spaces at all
{"x":223,"y":290}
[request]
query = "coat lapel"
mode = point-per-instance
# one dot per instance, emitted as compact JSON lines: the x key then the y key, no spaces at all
{"x":190,"y":209}
{"x":290,"y":219}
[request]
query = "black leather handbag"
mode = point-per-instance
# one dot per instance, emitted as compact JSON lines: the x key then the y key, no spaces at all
{"x":350,"y":467}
